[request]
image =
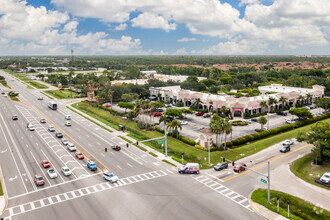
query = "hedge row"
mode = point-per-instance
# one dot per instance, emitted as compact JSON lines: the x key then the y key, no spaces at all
{"x":263,"y":134}
{"x":204,"y":148}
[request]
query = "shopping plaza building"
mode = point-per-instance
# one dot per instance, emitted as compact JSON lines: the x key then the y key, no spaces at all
{"x":239,"y":105}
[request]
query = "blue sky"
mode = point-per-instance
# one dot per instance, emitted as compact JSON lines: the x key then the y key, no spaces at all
{"x":153,"y":27}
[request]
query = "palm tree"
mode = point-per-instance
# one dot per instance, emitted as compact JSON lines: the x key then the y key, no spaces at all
{"x":263,"y":105}
{"x":197,"y":102}
{"x":215,"y":127}
{"x":271,"y":101}
{"x":175,"y":124}
{"x":228,"y":129}
{"x":309,"y":98}
{"x":111,"y":92}
{"x":301,"y":99}
{"x":262,"y":121}
{"x":283,"y":101}
{"x":223,"y":110}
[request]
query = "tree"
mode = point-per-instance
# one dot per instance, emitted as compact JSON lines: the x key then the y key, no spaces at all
{"x":186,"y":111}
{"x":262,"y":121}
{"x":271,"y":101}
{"x":323,"y":103}
{"x":319,"y":136}
{"x":214,"y":89}
{"x":228,"y":129}
{"x":174,"y":112}
{"x":126,"y":97}
{"x":309,"y":98}
{"x":126,"y":105}
{"x":301,"y":112}
{"x":215,"y":127}
{"x":283,"y":101}
{"x":174,"y":125}
{"x":223,"y":109}
{"x":263,"y":105}
{"x":111,"y":98}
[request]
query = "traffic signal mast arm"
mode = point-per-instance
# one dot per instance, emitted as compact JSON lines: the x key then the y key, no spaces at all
{"x":137,"y":143}
{"x":233,"y":163}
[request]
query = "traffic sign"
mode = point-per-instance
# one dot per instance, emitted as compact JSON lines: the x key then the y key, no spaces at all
{"x":161,"y":142}
{"x":263,"y":180}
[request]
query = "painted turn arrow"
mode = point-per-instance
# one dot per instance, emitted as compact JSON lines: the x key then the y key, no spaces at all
{"x":11,"y":179}
{"x":4,"y":151}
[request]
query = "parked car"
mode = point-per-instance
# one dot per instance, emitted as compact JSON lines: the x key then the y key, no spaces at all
{"x":79,"y":155}
{"x":66,"y":171}
{"x":325,"y":178}
{"x":65,"y":141}
{"x":52,"y":173}
{"x":68,"y":117}
{"x":285,"y":148}
{"x":39,"y":180}
{"x":110,"y":177}
{"x":42,"y":121}
{"x":59,"y":134}
{"x":239,"y":167}
{"x":107,"y":105}
{"x":247,"y":121}
{"x":282,"y":113}
{"x":159,"y":110}
{"x":168,"y":106}
{"x":287,"y":142}
{"x":14,"y":117}
{"x":306,"y":107}
{"x":254,"y":119}
{"x":199,"y":113}
{"x":158,"y":114}
{"x":116,"y":147}
{"x":183,"y":122}
{"x":68,"y":124}
{"x":30,"y":127}
{"x":206,"y":116}
{"x":171,"y":118}
{"x":221,"y":166}
{"x":289,"y":121}
{"x":40,"y":98}
{"x":189,"y":168}
{"x":45,"y":163}
{"x":71,"y":147}
{"x":51,"y":129}
{"x":91,"y":165}
{"x":264,"y":129}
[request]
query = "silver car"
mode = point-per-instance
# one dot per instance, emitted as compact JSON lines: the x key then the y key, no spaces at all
{"x":66,"y":171}
{"x":110,"y":177}
{"x":52,"y":173}
{"x":65,"y":141}
{"x":71,"y":147}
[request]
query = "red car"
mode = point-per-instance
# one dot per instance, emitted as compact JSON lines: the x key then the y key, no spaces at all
{"x":158,"y":114}
{"x":79,"y":155}
{"x":200,"y":113}
{"x":239,"y":168}
{"x":45,"y":163}
{"x":39,"y":180}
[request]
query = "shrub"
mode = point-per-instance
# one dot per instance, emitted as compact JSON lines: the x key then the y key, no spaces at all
{"x":229,"y":144}
{"x":239,"y":141}
{"x":187,"y":140}
{"x":141,"y":125}
{"x":242,"y":123}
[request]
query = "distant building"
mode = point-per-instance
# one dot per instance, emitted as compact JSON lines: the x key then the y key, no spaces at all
{"x":238,"y":106}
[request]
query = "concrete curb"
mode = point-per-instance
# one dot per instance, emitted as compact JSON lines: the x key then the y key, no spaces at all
{"x":160,"y":155}
{"x":4,"y":198}
{"x":263,"y":212}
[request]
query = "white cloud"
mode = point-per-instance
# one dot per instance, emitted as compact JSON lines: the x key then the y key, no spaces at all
{"x":248,"y":2}
{"x":185,"y":39}
{"x":71,"y":26}
{"x":150,"y":20}
{"x":181,"y":51}
{"x":121,"y":27}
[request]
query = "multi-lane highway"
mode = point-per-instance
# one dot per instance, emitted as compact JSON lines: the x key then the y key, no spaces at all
{"x":147,"y":187}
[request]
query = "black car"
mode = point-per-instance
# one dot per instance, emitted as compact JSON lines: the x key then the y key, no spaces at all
{"x":170,"y":118}
{"x":15,"y":117}
{"x":159,"y":110}
{"x":168,"y":106}
{"x":285,"y":148}
{"x":116,"y":148}
{"x":282,"y":113}
{"x":206,"y":116}
{"x":254,"y":119}
{"x":59,"y":134}
{"x":221,"y":166}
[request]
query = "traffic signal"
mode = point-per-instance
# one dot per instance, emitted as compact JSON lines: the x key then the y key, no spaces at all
{"x":224,"y":159}
{"x":137,"y":143}
{"x":116,"y":147}
{"x":233,"y":163}
{"x":105,"y":149}
{"x":127,"y":144}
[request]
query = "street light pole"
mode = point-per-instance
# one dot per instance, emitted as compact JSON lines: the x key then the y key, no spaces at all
{"x":268,"y":178}
{"x":165,"y":135}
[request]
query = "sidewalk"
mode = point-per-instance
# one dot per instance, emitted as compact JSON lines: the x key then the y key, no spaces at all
{"x":160,"y":156}
{"x":4,"y":198}
{"x":266,"y":213}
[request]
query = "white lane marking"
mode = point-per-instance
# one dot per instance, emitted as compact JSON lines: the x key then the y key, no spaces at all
{"x":132,"y":158}
{"x":40,"y":168}
{"x":214,"y":177}
{"x":119,"y":167}
{"x":52,"y":164}
{"x":129,"y":164}
{"x":19,"y":155}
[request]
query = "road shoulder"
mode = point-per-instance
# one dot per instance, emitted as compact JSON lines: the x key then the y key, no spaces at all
{"x":4,"y":198}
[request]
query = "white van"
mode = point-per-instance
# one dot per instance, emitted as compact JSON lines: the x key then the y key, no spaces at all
{"x":190,"y":168}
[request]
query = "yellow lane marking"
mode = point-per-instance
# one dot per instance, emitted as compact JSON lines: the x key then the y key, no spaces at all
{"x":267,"y":163}
{"x":55,"y":125}
{"x":255,"y":207}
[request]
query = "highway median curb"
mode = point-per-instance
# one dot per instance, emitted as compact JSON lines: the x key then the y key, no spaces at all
{"x":4,"y":198}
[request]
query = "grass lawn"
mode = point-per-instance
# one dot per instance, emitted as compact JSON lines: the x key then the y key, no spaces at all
{"x":14,"y":99}
{"x":299,"y":208}
{"x":63,"y":94}
{"x":306,"y":170}
{"x":176,"y":147}
{"x":1,"y":192}
{"x":38,"y":85}
{"x":29,"y":81}
{"x":29,"y":87}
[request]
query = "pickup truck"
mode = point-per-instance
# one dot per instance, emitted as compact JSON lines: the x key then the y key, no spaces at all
{"x":91,"y":165}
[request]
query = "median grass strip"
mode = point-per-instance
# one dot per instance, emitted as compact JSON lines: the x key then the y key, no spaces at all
{"x":29,"y":87}
{"x":1,"y":191}
{"x":15,"y":99}
{"x":63,"y":94}
{"x":299,"y":208}
{"x":306,"y":170}
{"x":176,"y":147}
{"x":89,"y":119}
{"x":129,"y":141}
{"x":153,"y":154}
{"x":38,"y":85}
{"x":166,"y":161}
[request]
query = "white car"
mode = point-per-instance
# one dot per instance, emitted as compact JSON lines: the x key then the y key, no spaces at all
{"x":71,"y":147}
{"x":288,"y":121}
{"x":68,"y":124}
{"x":287,"y":142}
{"x":66,"y":171}
{"x":31,"y":127}
{"x":52,"y":173}
{"x":325,"y":178}
{"x":183,"y":122}
{"x":68,"y":117}
{"x":247,"y":121}
{"x":65,"y":141}
{"x":110,"y":177}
